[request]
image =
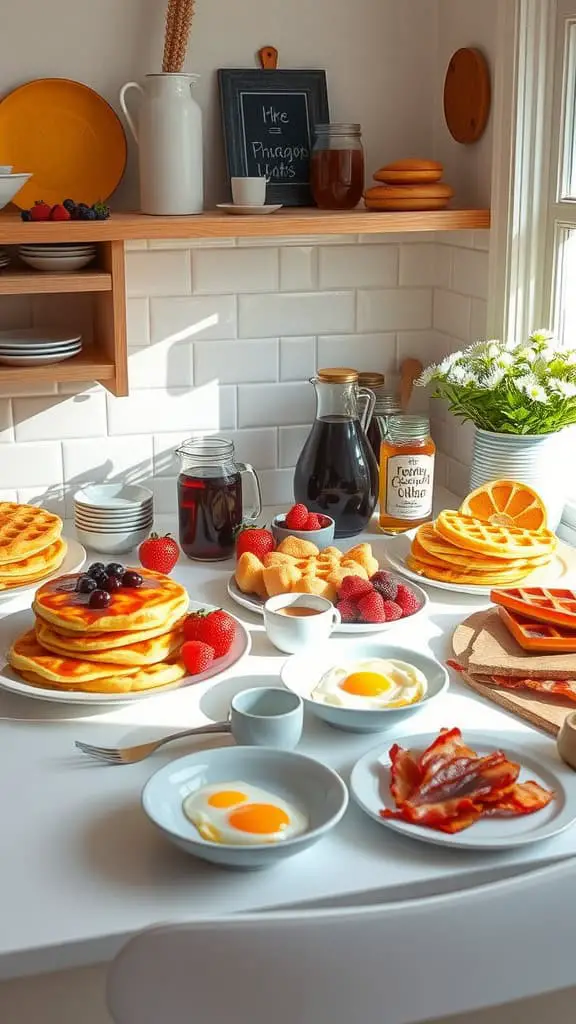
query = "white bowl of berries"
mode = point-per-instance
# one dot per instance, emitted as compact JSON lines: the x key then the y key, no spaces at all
{"x":305,"y":525}
{"x":378,"y":604}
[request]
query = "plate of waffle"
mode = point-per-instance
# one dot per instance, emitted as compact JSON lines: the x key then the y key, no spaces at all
{"x":71,"y":652}
{"x":32,"y":548}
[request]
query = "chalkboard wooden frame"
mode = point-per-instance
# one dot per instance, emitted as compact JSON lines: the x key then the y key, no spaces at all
{"x":240,"y":87}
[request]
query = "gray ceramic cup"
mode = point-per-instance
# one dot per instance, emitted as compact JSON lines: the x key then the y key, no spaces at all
{"x":267,"y":717}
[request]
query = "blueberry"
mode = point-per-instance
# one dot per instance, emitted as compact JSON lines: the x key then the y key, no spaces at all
{"x":87,"y":215}
{"x":111,"y":584}
{"x":69,"y":205}
{"x":86,"y":584}
{"x":102,"y":216}
{"x":82,"y":206}
{"x":115,"y":569}
{"x":26,"y":215}
{"x":99,"y":599}
{"x":96,"y":568}
{"x":132,"y":579}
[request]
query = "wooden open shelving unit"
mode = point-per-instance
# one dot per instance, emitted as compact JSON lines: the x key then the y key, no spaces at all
{"x":106,"y":360}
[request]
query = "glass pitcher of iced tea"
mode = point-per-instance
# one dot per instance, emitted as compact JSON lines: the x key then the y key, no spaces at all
{"x":210,"y":499}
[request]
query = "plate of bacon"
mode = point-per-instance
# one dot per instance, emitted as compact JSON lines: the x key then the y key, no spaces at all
{"x":466,"y":792}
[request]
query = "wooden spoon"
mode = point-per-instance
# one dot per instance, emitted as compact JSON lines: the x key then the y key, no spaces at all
{"x":410,"y":370}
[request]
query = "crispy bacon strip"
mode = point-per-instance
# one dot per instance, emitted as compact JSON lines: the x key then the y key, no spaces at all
{"x":563,"y":688}
{"x":448,"y":816}
{"x":473,"y":777}
{"x":405,"y":774}
{"x":447,"y":745}
{"x":522,"y":798}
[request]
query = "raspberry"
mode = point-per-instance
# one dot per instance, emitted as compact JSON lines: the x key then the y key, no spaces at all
{"x":347,"y":611}
{"x":371,"y":608}
{"x":392,"y":611}
{"x":353,"y":588}
{"x":312,"y":522}
{"x":385,"y":585}
{"x":407,"y":600}
{"x":296,"y":518}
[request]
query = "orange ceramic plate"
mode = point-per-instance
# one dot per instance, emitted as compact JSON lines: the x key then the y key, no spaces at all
{"x":67,"y":136}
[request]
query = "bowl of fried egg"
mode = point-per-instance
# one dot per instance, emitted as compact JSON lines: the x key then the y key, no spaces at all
{"x":245,"y":807}
{"x":364,"y":687}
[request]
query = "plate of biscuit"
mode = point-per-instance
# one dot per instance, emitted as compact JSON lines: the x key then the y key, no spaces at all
{"x":297,"y":566}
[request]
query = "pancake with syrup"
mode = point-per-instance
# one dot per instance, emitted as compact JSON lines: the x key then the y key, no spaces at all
{"x":78,"y":645}
{"x":139,"y":652}
{"x":131,"y":609}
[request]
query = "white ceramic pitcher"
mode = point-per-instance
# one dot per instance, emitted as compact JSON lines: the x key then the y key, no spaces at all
{"x":169,"y":138}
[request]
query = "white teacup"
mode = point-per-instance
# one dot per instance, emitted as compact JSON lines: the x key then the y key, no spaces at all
{"x":248,"y":191}
{"x":295,"y":622}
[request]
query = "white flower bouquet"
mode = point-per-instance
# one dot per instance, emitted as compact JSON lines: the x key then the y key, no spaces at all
{"x":509,"y":388}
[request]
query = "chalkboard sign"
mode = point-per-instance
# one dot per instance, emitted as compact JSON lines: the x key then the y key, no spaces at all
{"x":268,"y":118}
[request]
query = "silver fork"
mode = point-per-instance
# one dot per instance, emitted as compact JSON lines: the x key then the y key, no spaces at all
{"x":130,"y":755}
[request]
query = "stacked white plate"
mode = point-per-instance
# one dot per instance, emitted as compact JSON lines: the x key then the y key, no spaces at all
{"x":112,"y":518}
{"x":64,"y":256}
{"x":4,"y":259}
{"x":37,"y":346}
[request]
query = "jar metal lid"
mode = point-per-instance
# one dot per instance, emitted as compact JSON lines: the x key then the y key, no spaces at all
{"x":338,"y":129}
{"x":407,"y":428}
{"x":371,"y":379}
{"x":338,"y":375}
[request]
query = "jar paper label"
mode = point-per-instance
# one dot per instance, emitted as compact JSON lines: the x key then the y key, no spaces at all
{"x":409,"y":485}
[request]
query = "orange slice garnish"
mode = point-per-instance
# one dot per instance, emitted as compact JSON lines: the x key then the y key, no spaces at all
{"x":506,"y":503}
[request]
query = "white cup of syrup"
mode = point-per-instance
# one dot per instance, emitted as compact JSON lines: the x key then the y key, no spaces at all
{"x":295,"y":622}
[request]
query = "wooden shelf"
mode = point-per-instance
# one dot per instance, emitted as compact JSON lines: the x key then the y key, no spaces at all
{"x":24,"y":281}
{"x":216,"y":224}
{"x":89,"y":365}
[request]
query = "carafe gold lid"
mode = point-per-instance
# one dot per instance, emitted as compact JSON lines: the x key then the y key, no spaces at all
{"x":370,"y":379}
{"x":337,"y":375}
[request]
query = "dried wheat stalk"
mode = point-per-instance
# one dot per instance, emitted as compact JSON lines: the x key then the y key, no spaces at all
{"x":179,"y":16}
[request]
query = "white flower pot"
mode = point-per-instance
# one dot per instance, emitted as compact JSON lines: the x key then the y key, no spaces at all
{"x":538,"y":460}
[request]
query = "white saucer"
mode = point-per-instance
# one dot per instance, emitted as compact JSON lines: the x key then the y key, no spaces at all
{"x":249,"y":211}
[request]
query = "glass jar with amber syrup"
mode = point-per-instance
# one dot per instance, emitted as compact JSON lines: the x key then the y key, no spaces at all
{"x":387,"y":404}
{"x":406,"y":474}
{"x":337,"y":166}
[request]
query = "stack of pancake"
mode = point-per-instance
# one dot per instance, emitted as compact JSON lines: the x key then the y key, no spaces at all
{"x":132,"y":645}
{"x":31,"y":547}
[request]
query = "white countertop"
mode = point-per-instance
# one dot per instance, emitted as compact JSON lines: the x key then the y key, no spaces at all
{"x":82,"y":868}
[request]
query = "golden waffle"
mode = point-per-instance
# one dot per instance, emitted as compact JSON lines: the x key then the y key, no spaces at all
{"x":25,"y":530}
{"x":504,"y":541}
{"x":35,"y":566}
{"x":145,"y":607}
{"x":142,"y":652}
{"x":556,"y":606}
{"x":460,"y":576}
{"x":79,"y":645}
{"x":536,"y":636}
{"x":430,"y":545}
{"x":506,"y":503}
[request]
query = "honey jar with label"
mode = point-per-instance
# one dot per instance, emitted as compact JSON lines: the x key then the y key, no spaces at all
{"x":406,"y":474}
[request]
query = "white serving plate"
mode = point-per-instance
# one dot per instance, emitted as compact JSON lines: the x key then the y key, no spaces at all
{"x":9,"y":680}
{"x":23,"y":337}
{"x":249,"y":211}
{"x":370,"y":781}
{"x":397,"y":550}
{"x":66,"y":263}
{"x":74,"y":560}
{"x":39,"y":360}
{"x":256,"y":605}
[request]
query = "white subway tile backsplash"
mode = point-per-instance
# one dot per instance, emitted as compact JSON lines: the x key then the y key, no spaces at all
{"x":163,"y":365}
{"x":128,"y":459}
{"x":394,"y":309}
{"x":47,"y":419}
{"x":271,"y":405}
{"x":460,"y":239}
{"x":165,"y":495}
{"x":478,"y":319}
{"x":6,"y":427}
{"x":21,"y":463}
{"x":51,"y":498}
{"x":452,"y":314}
{"x":287,"y":240}
{"x":236,"y":362}
{"x":153,"y":411}
{"x":264,"y":316}
{"x":157,"y":273}
{"x":298,"y":268}
{"x":138,"y":322}
{"x":200,"y":318}
{"x":396,"y":238}
{"x":297,"y":358}
{"x":482,"y":240}
{"x":470,"y":273}
{"x":277,"y":486}
{"x":457,"y":477}
{"x":291,"y":442}
{"x":191,"y":243}
{"x":257,"y":447}
{"x":375,"y":267}
{"x":418,"y":265}
{"x":215,"y":272}
{"x":427,"y":346}
{"x":362,"y":351}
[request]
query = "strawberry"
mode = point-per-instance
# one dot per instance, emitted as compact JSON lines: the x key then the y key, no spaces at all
{"x":347,"y":609}
{"x":353,"y":588}
{"x":392,"y":611}
{"x":40,"y":210}
{"x":59,"y":212}
{"x":407,"y":600}
{"x":312,"y":522}
{"x":371,"y":608}
{"x":159,"y":554}
{"x":385,"y":585}
{"x":217,"y":630}
{"x":193,"y":625}
{"x":256,"y":540}
{"x":296,"y":518}
{"x":196,"y":656}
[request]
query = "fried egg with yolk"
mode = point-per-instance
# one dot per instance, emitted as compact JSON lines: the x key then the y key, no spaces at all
{"x":240,"y":814}
{"x":373,"y":684}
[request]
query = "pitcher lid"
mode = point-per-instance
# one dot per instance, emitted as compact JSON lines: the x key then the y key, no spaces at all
{"x":338,"y":375}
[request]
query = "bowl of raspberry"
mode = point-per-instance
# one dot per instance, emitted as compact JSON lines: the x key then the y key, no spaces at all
{"x":305,"y":525}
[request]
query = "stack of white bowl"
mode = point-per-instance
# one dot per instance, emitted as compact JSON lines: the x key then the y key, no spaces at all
{"x":58,"y":256}
{"x":10,"y":184}
{"x":113,"y":518}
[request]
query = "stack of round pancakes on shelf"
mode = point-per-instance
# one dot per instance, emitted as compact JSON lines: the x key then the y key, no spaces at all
{"x":133,"y":644}
{"x":31,"y":547}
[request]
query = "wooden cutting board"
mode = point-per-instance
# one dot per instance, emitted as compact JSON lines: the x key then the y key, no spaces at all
{"x":539,"y":711}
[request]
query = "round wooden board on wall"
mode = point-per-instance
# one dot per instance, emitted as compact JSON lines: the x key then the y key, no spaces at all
{"x":467,"y":95}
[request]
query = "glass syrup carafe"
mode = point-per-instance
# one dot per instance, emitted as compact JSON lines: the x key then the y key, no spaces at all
{"x":210,"y":498}
{"x":337,"y":472}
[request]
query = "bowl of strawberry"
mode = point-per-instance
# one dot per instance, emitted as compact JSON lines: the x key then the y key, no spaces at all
{"x":377,"y":604}
{"x":305,"y":525}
